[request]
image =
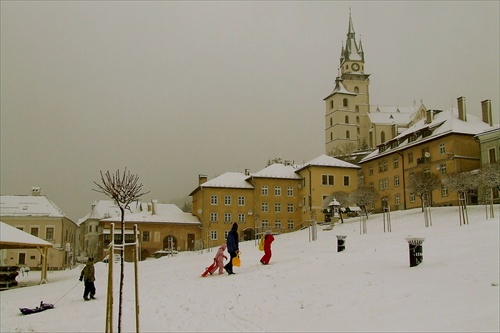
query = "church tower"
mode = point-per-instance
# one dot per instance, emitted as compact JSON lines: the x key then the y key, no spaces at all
{"x":346,"y":120}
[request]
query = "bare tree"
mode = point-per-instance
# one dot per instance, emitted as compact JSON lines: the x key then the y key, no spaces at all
{"x":364,"y":197}
{"x":344,"y":149}
{"x":422,"y":184}
{"x":462,"y":183}
{"x":187,"y":207}
{"x":489,"y":177}
{"x":123,"y":189}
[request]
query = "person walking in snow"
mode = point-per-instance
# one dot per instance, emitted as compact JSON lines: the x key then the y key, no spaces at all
{"x":219,"y":258}
{"x":232,"y":247}
{"x":269,"y":238}
{"x":88,"y":276}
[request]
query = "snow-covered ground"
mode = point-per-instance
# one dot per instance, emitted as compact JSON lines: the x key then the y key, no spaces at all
{"x":308,"y":286}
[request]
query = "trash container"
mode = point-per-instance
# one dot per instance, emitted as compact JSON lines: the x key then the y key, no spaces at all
{"x":341,"y":243}
{"x":416,"y":252}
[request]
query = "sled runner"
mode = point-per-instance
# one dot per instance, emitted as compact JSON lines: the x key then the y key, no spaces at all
{"x":43,"y":306}
{"x":210,"y":269}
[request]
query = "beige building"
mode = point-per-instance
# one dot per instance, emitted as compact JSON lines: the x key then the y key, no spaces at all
{"x":351,"y":123}
{"x":160,"y":227}
{"x":281,"y":197}
{"x":443,"y":143}
{"x":37,"y":215}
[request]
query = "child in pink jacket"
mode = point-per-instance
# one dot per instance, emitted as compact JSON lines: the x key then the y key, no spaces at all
{"x":219,"y":258}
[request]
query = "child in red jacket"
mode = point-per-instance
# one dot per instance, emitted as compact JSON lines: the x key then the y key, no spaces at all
{"x":269,"y":238}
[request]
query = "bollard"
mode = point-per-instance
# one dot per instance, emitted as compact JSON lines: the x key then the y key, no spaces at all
{"x":341,"y":243}
{"x":416,"y":253}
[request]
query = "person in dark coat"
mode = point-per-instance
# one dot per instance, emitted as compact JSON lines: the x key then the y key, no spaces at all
{"x":232,"y":247}
{"x":88,"y":276}
{"x":269,"y":238}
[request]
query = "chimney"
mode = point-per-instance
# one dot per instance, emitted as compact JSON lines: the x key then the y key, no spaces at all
{"x":153,"y":206}
{"x":462,"y":114}
{"x":247,"y":172}
{"x":486,"y":108}
{"x":35,"y":191}
{"x":202,"y":179}
{"x":428,"y":116}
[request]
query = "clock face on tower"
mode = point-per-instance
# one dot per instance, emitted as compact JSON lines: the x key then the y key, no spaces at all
{"x":355,"y":67}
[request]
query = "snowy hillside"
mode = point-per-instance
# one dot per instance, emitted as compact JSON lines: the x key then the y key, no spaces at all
{"x":308,"y":285}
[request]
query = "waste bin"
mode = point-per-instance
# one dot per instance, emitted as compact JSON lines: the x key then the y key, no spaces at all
{"x":415,"y":250}
{"x":341,"y":243}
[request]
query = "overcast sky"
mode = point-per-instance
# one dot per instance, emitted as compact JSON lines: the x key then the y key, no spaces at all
{"x":172,"y":90}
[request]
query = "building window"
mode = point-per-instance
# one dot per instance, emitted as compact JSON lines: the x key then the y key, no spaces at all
{"x":358,"y":130}
{"x":277,"y":224}
{"x":357,"y":119}
{"x":396,"y":180}
{"x":356,"y":90}
{"x":290,"y":208}
{"x":291,"y":225}
{"x":241,"y":217}
{"x":214,"y":200}
{"x":427,"y":170}
{"x":331,"y":136}
{"x":395,"y":163}
{"x":442,"y":168}
{"x":382,"y":136}
{"x":277,"y":190}
{"x":213,"y":234}
{"x":331,"y":104}
{"x":277,"y":207}
{"x":345,"y":102}
{"x":382,"y":166}
{"x":492,"y":155}
{"x":289,"y":191}
{"x":213,"y":217}
{"x":265,"y":224}
{"x":227,"y":200}
{"x":442,"y":149}
{"x":264,"y":190}
{"x":145,"y":236}
{"x":227,"y":218}
{"x":49,"y":233}
{"x":331,"y":121}
{"x":383,"y":184}
{"x":410,"y":157}
{"x":265,"y":207}
{"x":34,"y":231}
{"x":356,"y":109}
{"x":397,"y":199}
{"x":370,"y":170}
{"x":241,"y":200}
{"x":412,"y":197}
{"x":347,"y":135}
{"x":327,"y":180}
{"x":444,"y":191}
{"x":346,"y":180}
{"x":347,"y":119}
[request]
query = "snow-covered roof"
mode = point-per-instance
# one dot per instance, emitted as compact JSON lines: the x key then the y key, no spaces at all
{"x":229,"y":180}
{"x":391,"y":114}
{"x":11,"y":237}
{"x":278,"y":170}
{"x":328,"y":161}
{"x":102,"y":209}
{"x":28,"y":205}
{"x":444,"y":123}
{"x":163,"y":213}
{"x":340,"y":89}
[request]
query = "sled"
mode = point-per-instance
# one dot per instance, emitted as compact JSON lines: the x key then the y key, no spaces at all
{"x":210,"y":269}
{"x":43,"y":306}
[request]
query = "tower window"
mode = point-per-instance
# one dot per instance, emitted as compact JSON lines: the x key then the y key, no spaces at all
{"x":345,"y":102}
{"x":331,"y":104}
{"x":347,"y":119}
{"x":347,"y":135}
{"x":382,"y":136}
{"x":356,"y":108}
{"x":331,"y":121}
{"x":357,"y":118}
{"x":356,"y":90}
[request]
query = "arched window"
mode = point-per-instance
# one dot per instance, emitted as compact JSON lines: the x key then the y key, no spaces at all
{"x":345,"y":102}
{"x":347,"y":135}
{"x":331,"y":104}
{"x":357,"y":120}
{"x":347,"y":119}
{"x":356,"y":108}
{"x":356,"y":90}
{"x":358,"y":130}
{"x":331,"y":121}
{"x":382,"y":136}
{"x":331,"y":136}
